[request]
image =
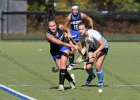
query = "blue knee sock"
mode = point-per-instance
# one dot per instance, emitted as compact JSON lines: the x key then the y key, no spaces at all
{"x":100,"y":75}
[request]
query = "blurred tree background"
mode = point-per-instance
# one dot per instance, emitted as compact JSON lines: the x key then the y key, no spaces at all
{"x":36,"y":5}
{"x":85,"y":5}
{"x":115,"y":23}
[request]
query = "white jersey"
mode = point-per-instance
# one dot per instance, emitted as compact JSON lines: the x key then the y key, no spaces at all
{"x":93,"y":38}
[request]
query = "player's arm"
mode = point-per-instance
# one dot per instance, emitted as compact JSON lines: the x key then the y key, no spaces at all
{"x":82,"y":47}
{"x":57,"y":41}
{"x":65,"y":30}
{"x":66,"y":25}
{"x":67,"y":21}
{"x":89,"y":19}
{"x":102,"y":46}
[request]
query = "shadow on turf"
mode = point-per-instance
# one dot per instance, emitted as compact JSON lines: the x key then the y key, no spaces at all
{"x":56,"y":87}
{"x":54,"y":70}
{"x":92,"y":86}
{"x":69,"y":88}
{"x":78,"y":68}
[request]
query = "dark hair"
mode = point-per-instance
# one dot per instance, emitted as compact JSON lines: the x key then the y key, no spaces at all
{"x":51,"y":19}
{"x":84,"y":23}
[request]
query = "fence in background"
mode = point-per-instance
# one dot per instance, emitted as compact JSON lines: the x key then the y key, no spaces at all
{"x":115,"y":26}
{"x":13,"y":23}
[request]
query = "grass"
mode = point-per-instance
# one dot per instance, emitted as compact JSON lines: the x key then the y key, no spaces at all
{"x":40,"y":36}
{"x":122,"y":37}
{"x":25,"y":68}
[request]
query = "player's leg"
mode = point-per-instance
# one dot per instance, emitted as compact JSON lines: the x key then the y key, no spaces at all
{"x":56,"y":59}
{"x":64,"y":58}
{"x":89,"y":69}
{"x":63,"y":71}
{"x":99,"y":70}
{"x":100,"y":59}
{"x":75,"y":37}
{"x":71,"y":56}
{"x":71,"y":59}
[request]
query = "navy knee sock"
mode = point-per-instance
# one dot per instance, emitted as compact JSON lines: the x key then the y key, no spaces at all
{"x":68,"y":77}
{"x":71,"y":58}
{"x":90,"y":72}
{"x":62,"y":76}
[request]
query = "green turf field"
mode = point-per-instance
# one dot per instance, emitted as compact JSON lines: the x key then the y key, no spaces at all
{"x":26,"y":68}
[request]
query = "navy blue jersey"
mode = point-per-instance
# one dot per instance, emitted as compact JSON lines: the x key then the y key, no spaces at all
{"x":75,"y":21}
{"x":54,"y":48}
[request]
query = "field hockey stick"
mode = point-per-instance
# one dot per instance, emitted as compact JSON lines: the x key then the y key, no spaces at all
{"x":87,"y":59}
{"x":79,"y":51}
{"x":55,"y":70}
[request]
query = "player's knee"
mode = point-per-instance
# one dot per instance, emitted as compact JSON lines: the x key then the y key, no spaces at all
{"x":88,"y":66}
{"x":63,"y":64}
{"x":98,"y":67}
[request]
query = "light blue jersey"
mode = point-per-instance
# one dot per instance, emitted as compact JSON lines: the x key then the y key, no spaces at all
{"x":93,"y":39}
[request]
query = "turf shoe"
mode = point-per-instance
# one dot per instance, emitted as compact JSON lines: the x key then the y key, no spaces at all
{"x":72,"y":85}
{"x":71,"y":66}
{"x":73,"y":77}
{"x":61,"y":87}
{"x":89,"y":79}
{"x":84,"y":65}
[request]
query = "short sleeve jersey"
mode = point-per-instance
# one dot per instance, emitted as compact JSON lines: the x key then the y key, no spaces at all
{"x":93,"y":38}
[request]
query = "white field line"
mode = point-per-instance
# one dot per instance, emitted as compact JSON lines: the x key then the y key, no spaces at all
{"x":124,"y":85}
{"x":43,"y":85}
{"x":15,"y":93}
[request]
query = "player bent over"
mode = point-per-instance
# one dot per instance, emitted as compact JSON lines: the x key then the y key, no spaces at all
{"x":59,"y":49}
{"x":98,"y":48}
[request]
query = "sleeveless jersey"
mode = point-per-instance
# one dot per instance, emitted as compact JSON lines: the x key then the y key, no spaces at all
{"x":75,"y":21}
{"x":55,"y":47}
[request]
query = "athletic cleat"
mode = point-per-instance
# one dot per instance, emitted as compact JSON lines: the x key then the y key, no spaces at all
{"x":89,"y":79}
{"x":72,"y":64}
{"x":73,"y":77}
{"x":72,"y":85}
{"x":70,"y":67}
{"x":61,"y":88}
{"x":84,"y":65}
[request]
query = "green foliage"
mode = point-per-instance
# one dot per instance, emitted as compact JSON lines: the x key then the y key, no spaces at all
{"x":83,"y":4}
{"x":36,"y":5}
{"x":118,"y":5}
{"x":127,"y":5}
{"x":92,"y":5}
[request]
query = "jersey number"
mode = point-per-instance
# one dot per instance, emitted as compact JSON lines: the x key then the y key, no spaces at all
{"x":75,"y":27}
